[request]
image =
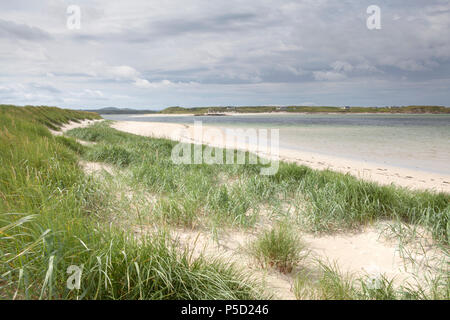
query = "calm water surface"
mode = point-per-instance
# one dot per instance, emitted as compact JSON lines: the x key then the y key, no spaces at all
{"x":411,"y":141}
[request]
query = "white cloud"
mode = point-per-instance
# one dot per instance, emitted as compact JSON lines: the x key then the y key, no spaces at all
{"x":92,"y":93}
{"x":102,"y":70}
{"x":215,"y":52}
{"x":328,"y":75}
{"x":143,"y":83}
{"x":123,"y":72}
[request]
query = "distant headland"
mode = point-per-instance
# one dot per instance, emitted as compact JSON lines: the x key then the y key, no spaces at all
{"x":227,"y":110}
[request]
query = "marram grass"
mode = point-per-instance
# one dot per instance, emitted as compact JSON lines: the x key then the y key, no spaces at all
{"x":327,"y":282}
{"x":51,"y":218}
{"x":279,"y":248}
{"x":233,"y":194}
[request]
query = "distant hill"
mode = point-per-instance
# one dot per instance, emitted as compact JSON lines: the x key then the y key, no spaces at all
{"x":306,"y":109}
{"x":113,"y":110}
{"x":293,"y":109}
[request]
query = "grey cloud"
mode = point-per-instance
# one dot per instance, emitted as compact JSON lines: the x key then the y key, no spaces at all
{"x":44,"y":87}
{"x":154,"y":30}
{"x":12,"y":30}
{"x":235,"y":52}
{"x":215,"y":24}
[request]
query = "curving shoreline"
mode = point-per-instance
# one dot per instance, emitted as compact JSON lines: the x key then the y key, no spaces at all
{"x":413,"y":179}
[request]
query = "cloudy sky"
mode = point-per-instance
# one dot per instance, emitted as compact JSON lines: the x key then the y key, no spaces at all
{"x":153,"y":54}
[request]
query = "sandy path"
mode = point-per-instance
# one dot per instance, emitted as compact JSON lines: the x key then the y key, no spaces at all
{"x":382,"y":174}
{"x":72,"y":125}
{"x":362,"y":253}
{"x":232,"y":247}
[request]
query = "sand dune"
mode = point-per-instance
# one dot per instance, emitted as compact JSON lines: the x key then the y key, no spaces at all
{"x":72,"y":125}
{"x":382,"y":174}
{"x":362,"y":253}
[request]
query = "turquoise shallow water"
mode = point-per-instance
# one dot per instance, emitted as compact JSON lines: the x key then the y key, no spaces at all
{"x":419,"y":142}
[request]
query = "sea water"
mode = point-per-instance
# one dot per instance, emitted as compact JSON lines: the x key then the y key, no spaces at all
{"x":420,"y":142}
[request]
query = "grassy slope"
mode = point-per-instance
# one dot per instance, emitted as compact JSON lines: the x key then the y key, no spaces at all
{"x":326,"y":201}
{"x":214,"y":196}
{"x":51,"y":218}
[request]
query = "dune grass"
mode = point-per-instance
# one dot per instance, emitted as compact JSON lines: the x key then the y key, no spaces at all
{"x":52,"y":216}
{"x":217,"y":196}
{"x":322,"y":201}
{"x":328,"y":282}
{"x":336,"y":201}
{"x":280,"y":248}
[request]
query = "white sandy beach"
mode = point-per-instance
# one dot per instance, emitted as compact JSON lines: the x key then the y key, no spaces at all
{"x":382,"y":174}
{"x":366,"y":252}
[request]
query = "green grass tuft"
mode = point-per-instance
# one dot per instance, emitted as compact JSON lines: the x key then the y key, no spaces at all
{"x":279,"y":248}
